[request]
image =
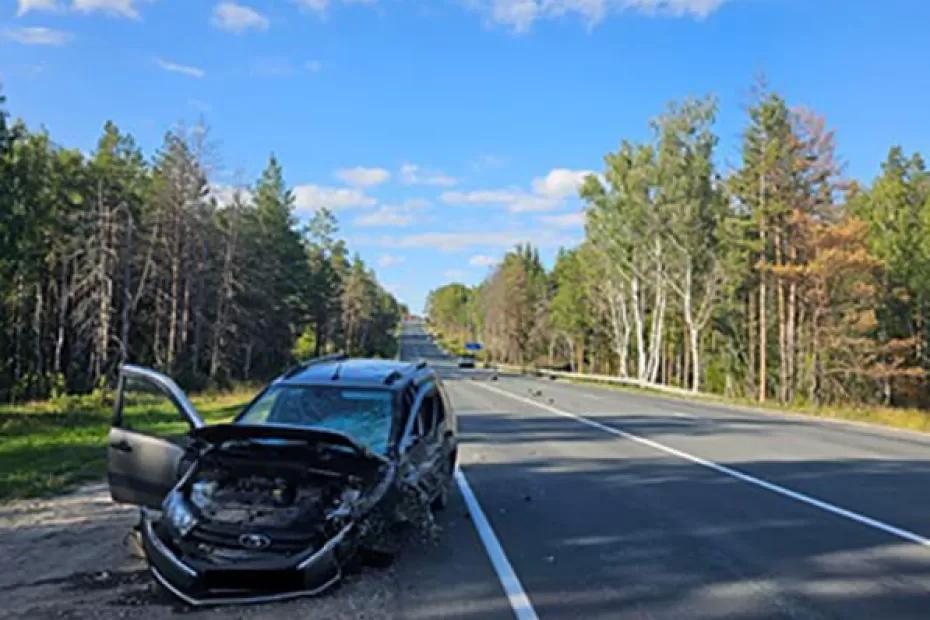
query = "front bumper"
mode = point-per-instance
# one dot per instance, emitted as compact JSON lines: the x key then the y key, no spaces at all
{"x":254,"y":582}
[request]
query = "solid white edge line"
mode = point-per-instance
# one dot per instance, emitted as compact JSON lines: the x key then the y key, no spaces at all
{"x":729,"y":471}
{"x":519,"y":601}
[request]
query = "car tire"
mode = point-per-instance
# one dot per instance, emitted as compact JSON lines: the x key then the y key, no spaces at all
{"x":376,"y":558}
{"x":380,"y":552}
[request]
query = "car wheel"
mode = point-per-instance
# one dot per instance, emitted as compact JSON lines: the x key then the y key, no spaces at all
{"x":380,"y":550}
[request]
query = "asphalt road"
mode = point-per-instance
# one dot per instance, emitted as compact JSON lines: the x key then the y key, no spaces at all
{"x":611,"y":504}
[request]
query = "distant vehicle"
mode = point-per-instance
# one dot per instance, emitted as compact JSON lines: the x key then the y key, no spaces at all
{"x":321,"y":464}
{"x":467,"y":361}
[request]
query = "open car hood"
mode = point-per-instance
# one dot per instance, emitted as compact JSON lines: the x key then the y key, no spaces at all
{"x":323,"y":444}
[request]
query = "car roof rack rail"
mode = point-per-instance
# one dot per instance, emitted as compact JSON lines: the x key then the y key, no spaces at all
{"x":391,"y":377}
{"x":334,"y":357}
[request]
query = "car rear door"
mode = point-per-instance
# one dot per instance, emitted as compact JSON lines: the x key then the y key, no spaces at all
{"x":421,"y":445}
{"x":151,"y":419}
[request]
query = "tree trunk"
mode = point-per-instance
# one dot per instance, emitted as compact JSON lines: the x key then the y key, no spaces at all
{"x":658,"y":315}
{"x":638,"y":326}
{"x":691,"y":327}
{"x":763,"y":368}
{"x":792,"y":336}
{"x":125,"y":318}
{"x":105,"y":287}
{"x":38,"y":311}
{"x":64,"y":294}
{"x":751,"y":331}
{"x":782,"y":320}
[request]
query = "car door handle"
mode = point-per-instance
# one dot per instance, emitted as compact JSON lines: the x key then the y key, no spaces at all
{"x":122,"y":446}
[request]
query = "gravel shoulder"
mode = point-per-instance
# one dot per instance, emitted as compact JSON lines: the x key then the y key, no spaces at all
{"x":69,"y":557}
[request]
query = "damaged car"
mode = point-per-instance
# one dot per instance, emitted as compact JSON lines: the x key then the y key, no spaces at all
{"x":328,"y":461}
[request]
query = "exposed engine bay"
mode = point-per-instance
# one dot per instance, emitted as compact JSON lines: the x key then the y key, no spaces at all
{"x":245,"y":501}
{"x":252,"y":500}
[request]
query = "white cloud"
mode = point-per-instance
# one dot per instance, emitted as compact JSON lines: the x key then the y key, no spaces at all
{"x":530,"y":203}
{"x":308,"y":198}
{"x":520,"y":15}
{"x":116,"y":8}
{"x":237,"y":18}
{"x":412,"y":174}
{"x":224,"y":194}
{"x":566,"y":220}
{"x":390,"y":260}
{"x":25,"y":6}
{"x":458,"y":241}
{"x":313,"y":66}
{"x":483,"y":196}
{"x":37,"y":35}
{"x":174,"y":67}
{"x":548,"y":193}
{"x":515,"y":200}
{"x":385,"y":216}
{"x":360,"y":176}
{"x":560,"y":182}
{"x":400,"y":215}
{"x":320,"y":6}
{"x":483,"y":260}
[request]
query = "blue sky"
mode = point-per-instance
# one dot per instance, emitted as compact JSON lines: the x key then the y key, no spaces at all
{"x":444,"y":131}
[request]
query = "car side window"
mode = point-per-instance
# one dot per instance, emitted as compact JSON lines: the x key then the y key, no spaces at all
{"x":425,"y":422}
{"x":440,"y":416}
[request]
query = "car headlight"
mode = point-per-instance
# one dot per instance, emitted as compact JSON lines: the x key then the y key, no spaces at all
{"x":179,"y":514}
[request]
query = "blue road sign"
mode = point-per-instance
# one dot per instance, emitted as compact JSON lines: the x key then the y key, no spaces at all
{"x":473,"y":346}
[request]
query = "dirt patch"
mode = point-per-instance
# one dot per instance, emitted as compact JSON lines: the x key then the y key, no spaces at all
{"x":69,"y":557}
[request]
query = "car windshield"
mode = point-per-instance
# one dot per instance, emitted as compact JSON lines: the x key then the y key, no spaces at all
{"x":362,"y":414}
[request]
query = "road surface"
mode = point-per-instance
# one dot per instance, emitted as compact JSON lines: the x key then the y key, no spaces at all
{"x":615,"y":504}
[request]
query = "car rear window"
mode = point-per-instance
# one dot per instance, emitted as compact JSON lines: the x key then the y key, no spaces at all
{"x":362,"y":414}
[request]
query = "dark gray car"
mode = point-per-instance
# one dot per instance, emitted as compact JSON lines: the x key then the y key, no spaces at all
{"x":329,"y":458}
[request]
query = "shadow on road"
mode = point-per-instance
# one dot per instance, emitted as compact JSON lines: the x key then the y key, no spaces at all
{"x":600,"y":531}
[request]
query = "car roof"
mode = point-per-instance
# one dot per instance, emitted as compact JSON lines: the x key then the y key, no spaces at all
{"x":357,"y":372}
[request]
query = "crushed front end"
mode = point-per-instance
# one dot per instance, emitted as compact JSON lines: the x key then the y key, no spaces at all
{"x":263,"y":514}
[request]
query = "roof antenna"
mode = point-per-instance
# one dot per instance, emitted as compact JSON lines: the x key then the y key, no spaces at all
{"x":335,"y":376}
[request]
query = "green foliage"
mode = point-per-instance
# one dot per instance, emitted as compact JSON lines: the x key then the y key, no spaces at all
{"x":451,"y":308}
{"x":305,"y":346}
{"x":756,"y":281}
{"x":107,"y":259}
{"x":51,"y":446}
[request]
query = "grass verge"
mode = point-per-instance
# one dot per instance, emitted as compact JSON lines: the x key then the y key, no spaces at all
{"x":48,"y":447}
{"x":917,"y":420}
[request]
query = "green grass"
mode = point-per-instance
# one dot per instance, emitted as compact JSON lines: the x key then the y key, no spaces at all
{"x":902,"y":418}
{"x":49,"y":447}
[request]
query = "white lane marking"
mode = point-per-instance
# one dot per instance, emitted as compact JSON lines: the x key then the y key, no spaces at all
{"x":729,"y":471}
{"x":519,"y":602}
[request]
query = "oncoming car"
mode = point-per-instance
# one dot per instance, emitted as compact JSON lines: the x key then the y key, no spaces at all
{"x":467,"y":361}
{"x":329,"y":459}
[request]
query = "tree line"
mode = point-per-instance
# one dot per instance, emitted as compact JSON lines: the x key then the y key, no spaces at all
{"x":774,"y":279}
{"x":111,"y":257}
